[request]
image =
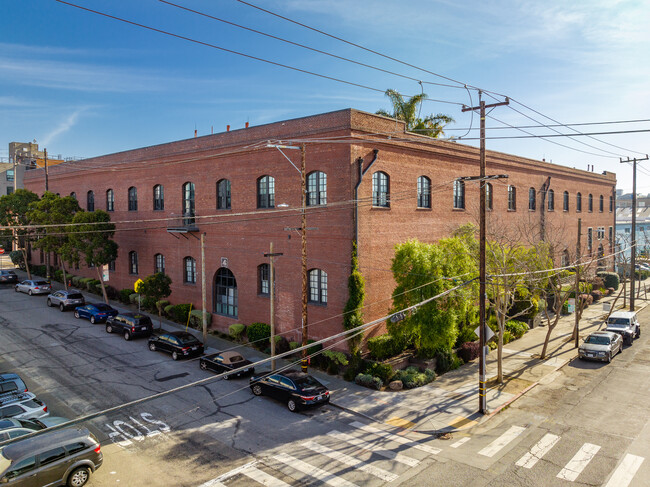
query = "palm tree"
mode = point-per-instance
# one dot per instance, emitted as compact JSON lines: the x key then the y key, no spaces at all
{"x":405,"y":110}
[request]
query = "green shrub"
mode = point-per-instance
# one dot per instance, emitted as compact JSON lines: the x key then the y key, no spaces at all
{"x":111,"y":292}
{"x":507,"y":337}
{"x":411,"y":377}
{"x":196,"y":318}
{"x":94,"y":286}
{"x":446,"y":360}
{"x":83,"y":282}
{"x":338,"y":357}
{"x":466,"y":334}
{"x":258,"y":334}
{"x":236,"y":331}
{"x":385,"y":346}
{"x":363,"y":380}
{"x":17,"y":258}
{"x":469,"y":351}
{"x":134,"y":298}
{"x":39,"y":270}
{"x":168,"y":310}
{"x":565,"y":307}
{"x":281,"y":344}
{"x":57,"y":275}
{"x":76,"y":281}
{"x":314,"y":349}
{"x":179,"y":312}
{"x":355,"y":365}
{"x":160,"y":305}
{"x":293,"y":345}
{"x":516,"y":328}
{"x":525,"y":306}
{"x":149,"y":304}
{"x":124,"y":295}
{"x":383,"y":371}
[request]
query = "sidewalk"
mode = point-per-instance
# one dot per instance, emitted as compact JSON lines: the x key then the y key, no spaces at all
{"x":449,"y":403}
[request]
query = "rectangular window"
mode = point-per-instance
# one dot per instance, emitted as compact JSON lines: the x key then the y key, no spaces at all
{"x":590,"y":239}
{"x":611,"y":236}
{"x":10,"y":174}
{"x":459,"y":194}
{"x":10,"y":189}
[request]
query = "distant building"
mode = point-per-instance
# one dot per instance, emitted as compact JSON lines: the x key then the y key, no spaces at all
{"x":624,"y":230}
{"x":23,"y":156}
{"x":625,"y":200}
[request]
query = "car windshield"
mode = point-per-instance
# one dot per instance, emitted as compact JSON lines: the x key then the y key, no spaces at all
{"x":618,"y":321}
{"x":236,"y":358}
{"x":31,"y":424}
{"x":185,"y":339}
{"x":597,"y":340}
{"x":74,"y":296}
{"x":307,"y":383}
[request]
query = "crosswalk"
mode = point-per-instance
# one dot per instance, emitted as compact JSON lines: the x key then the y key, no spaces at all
{"x":372,"y":455}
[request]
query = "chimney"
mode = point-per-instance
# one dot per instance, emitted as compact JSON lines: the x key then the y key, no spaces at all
{"x":195,"y":133}
{"x":246,"y":124}
{"x":227,"y":128}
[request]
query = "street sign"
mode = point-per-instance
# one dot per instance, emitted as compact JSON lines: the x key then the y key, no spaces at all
{"x":136,"y":285}
{"x":488,"y":332}
{"x":2,"y":251}
{"x":105,"y":273}
{"x":571,"y":304}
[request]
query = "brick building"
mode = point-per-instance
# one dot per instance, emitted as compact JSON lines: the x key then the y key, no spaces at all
{"x":367,"y":178}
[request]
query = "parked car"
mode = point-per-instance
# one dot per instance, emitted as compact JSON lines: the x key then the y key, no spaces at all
{"x":297,"y":389}
{"x":7,"y":276}
{"x":66,"y":299}
{"x":13,"y":428}
{"x":626,"y":324}
{"x":63,"y":457}
{"x":33,"y":287}
{"x":178,"y":343}
{"x":130,"y":325}
{"x":601,"y":345}
{"x":21,"y":405}
{"x":227,"y":361}
{"x":11,"y":383}
{"x":95,"y":312}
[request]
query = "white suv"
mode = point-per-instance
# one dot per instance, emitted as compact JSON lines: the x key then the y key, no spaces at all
{"x":22,"y":405}
{"x":624,"y":323}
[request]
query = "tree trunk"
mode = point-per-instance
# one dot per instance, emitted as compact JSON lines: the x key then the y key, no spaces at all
{"x":101,"y":281}
{"x":551,"y":327}
{"x":65,"y":277}
{"x":29,"y":273}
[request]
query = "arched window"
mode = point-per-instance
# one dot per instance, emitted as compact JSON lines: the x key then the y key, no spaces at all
{"x":90,"y":201}
{"x":424,"y":192}
{"x":263,"y":279}
{"x":601,"y":203}
{"x":565,"y":201}
{"x":225,"y":293}
{"x":532,"y":199}
{"x":133,"y":199}
{"x":591,"y":202}
{"x":110,"y":200}
{"x":551,"y":200}
{"x":188,"y":204}
{"x":159,"y":263}
{"x":512,"y":198}
{"x":317,"y":283}
{"x":380,"y":189}
{"x":459,"y":194}
{"x":316,"y":188}
{"x":189,"y":270}
{"x":488,"y":196}
{"x":223,"y":194}
{"x":158,"y":197}
{"x":266,"y":192}
{"x":579,"y":202}
{"x":74,"y":195}
{"x":133,"y":262}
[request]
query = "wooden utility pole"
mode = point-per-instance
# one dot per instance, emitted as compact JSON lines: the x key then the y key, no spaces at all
{"x":203,"y":292}
{"x":47,"y":186}
{"x":303,"y":248}
{"x":482,"y":237}
{"x":633,"y":256}
{"x":270,"y":255}
{"x":578,"y":304}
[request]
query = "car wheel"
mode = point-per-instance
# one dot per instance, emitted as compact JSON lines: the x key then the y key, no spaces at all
{"x":609,"y":357}
{"x":109,"y":329}
{"x":638,"y":332}
{"x":16,"y":289}
{"x":92,"y":320}
{"x":226,"y":377}
{"x":291,"y":404}
{"x":79,"y":477}
{"x":76,"y":314}
{"x":203,"y":366}
{"x":30,"y":292}
{"x":49,"y":303}
{"x":152,"y":347}
{"x":127,"y":336}
{"x":61,"y":307}
{"x":257,"y":389}
{"x":174,"y":356}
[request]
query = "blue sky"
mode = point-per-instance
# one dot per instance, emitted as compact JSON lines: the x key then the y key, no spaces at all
{"x":85,"y":85}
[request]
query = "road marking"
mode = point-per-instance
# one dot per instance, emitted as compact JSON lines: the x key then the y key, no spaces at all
{"x":579,"y":461}
{"x":502,"y":441}
{"x":461,"y":421}
{"x":263,"y":478}
{"x":460,"y":442}
{"x":400,"y":423}
{"x":216,"y":482}
{"x":398,"y":457}
{"x":395,"y":438}
{"x":540,"y":449}
{"x":317,"y":473}
{"x":350,"y":461}
{"x":625,"y":472}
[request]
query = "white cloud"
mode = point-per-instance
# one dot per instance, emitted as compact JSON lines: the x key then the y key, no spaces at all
{"x":63,"y":126}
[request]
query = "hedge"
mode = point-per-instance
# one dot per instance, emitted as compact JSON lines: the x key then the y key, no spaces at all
{"x":516,"y":328}
{"x":611,"y":279}
{"x":258,"y":334}
{"x":160,"y":305}
{"x":134,"y":298}
{"x":168,"y":309}
{"x":179,"y":312}
{"x":124,"y":295}
{"x":411,"y":377}
{"x":384,"y":346}
{"x":469,"y":351}
{"x":196,"y":318}
{"x":368,"y":380}
{"x":446,"y":360}
{"x":383,"y":371}
{"x":236,"y":331}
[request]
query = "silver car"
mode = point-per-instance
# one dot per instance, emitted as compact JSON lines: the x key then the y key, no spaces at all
{"x":13,"y":428}
{"x":34,"y":287}
{"x":66,"y":299}
{"x":601,"y":345}
{"x":22,"y":405}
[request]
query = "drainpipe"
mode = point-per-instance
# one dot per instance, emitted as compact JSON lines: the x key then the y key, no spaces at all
{"x":356,"y":194}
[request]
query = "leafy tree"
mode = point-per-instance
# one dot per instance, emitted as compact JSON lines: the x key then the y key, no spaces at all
{"x":91,"y":237}
{"x":52,"y":209}
{"x":406,"y":111}
{"x":424,"y":270}
{"x":156,"y":286}
{"x":13,"y":213}
{"x":352,"y":313}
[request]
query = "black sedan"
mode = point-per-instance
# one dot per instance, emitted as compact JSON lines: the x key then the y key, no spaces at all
{"x":227,"y":361}
{"x":297,"y":389}
{"x":178,"y":343}
{"x":8,"y":276}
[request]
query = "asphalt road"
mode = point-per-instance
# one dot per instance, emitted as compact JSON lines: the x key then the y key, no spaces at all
{"x":592,"y":418}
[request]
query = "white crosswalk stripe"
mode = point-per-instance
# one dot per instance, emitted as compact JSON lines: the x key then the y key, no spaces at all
{"x":312,"y":471}
{"x":411,"y":462}
{"x":460,"y":442}
{"x":235,"y":471}
{"x":579,"y":461}
{"x":263,"y":478}
{"x":494,"y":447}
{"x":395,"y":438}
{"x":351,"y":461}
{"x":626,"y":471}
{"x":540,"y":449}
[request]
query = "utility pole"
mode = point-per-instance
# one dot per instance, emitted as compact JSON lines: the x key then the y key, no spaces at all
{"x":203,"y":293}
{"x":482,"y":237}
{"x":633,"y":256}
{"x":303,"y":248}
{"x":270,"y":255}
{"x":578,"y":304}
{"x":47,"y":186}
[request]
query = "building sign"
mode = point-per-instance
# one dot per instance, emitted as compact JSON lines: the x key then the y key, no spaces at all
{"x":224,"y":262}
{"x":136,"y":285}
{"x":105,"y":273}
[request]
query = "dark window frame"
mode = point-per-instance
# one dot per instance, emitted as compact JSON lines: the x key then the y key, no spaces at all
{"x":110,"y":200}
{"x":264,"y":280}
{"x":159,"y":263}
{"x":90,"y":200}
{"x":317,"y":286}
{"x":158,"y":197}
{"x":133,"y":198}
{"x":381,"y":190}
{"x":189,"y":203}
{"x":133,"y":263}
{"x":224,"y":195}
{"x":565,"y":201}
{"x":459,"y":194}
{"x":189,"y":270}
{"x":316,"y":188}
{"x":424,"y":192}
{"x":512,"y":198}
{"x":550,"y":200}
{"x":225,"y":302}
{"x":266,"y":191}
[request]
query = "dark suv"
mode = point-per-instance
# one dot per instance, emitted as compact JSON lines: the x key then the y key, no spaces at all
{"x":130,"y":325}
{"x":11,"y":383}
{"x":66,"y":456}
{"x":7,"y":276}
